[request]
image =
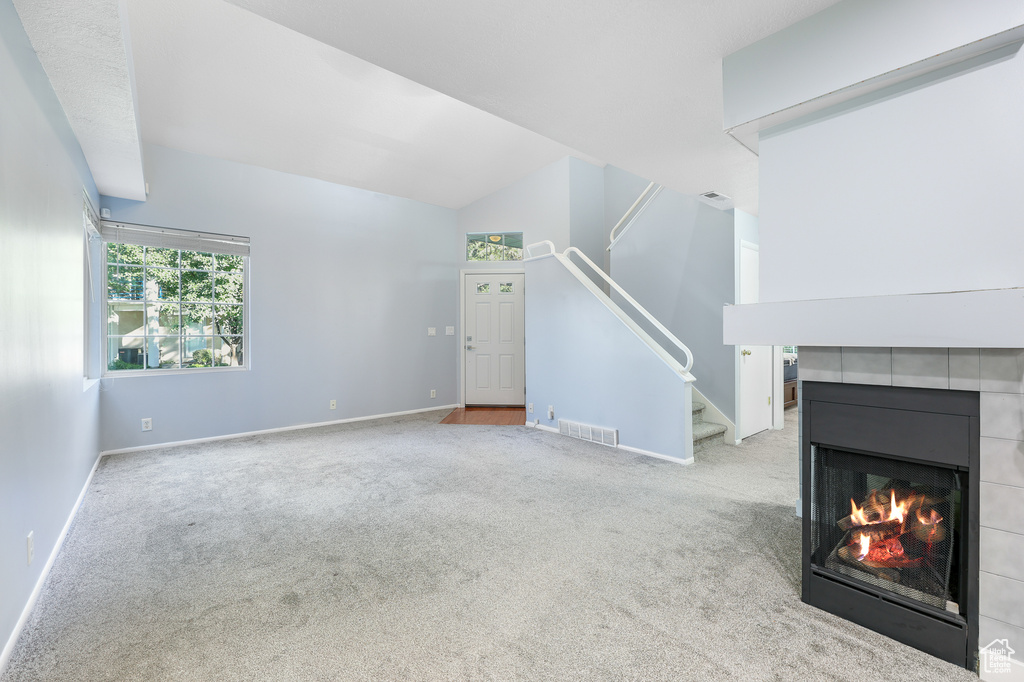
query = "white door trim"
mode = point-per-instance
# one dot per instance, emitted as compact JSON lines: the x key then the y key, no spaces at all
{"x":460,"y":332}
{"x":740,"y":245}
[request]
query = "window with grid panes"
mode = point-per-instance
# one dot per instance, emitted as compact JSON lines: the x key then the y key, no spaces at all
{"x":173,"y":308}
{"x":500,"y":246}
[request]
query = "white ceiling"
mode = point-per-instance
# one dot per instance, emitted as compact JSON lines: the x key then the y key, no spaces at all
{"x":637,"y":84}
{"x":217,"y":80}
{"x":86,"y":59}
{"x":284,"y":85}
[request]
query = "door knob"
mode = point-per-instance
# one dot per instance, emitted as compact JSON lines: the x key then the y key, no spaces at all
{"x":746,"y":352}
{"x":470,"y":347}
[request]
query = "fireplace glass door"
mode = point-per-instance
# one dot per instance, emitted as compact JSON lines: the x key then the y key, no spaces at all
{"x":889,"y":523}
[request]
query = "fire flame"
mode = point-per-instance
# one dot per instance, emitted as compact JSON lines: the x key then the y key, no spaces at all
{"x":930,"y":531}
{"x":865,"y":545}
{"x":857,"y":514}
{"x":880,"y":528}
{"x":897,"y":512}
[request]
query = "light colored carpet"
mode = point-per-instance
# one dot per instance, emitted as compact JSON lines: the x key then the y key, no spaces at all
{"x":405,"y":549}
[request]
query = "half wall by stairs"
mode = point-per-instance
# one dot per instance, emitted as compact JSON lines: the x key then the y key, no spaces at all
{"x":589,"y":363}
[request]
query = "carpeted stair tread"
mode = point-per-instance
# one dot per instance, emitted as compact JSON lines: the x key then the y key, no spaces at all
{"x":706,"y":430}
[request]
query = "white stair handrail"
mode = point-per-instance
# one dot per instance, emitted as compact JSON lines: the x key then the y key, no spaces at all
{"x":529,"y":250}
{"x":639,"y":308}
{"x":625,"y":217}
{"x":636,"y":215}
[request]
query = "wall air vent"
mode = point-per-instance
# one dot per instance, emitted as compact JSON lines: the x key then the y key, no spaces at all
{"x":717,"y":199}
{"x":595,"y":434}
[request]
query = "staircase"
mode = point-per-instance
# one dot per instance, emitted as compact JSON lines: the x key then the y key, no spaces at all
{"x":705,"y":434}
{"x":645,"y":384}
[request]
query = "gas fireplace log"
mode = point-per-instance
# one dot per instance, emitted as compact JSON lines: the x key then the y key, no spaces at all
{"x":880,"y":511}
{"x":886,"y":547}
{"x":847,"y":523}
{"x":848,"y":556}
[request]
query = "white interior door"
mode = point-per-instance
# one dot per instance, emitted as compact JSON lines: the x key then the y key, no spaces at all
{"x":495,"y":339}
{"x":755,"y":361}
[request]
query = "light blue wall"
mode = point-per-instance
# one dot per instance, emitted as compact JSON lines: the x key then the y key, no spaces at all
{"x":678,"y":261}
{"x":586,"y":363}
{"x":344,"y":284}
{"x":586,"y":211}
{"x":536,"y":205}
{"x":48,"y":420}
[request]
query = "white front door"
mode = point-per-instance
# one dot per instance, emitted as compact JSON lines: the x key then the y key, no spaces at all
{"x":495,"y":339}
{"x":755,"y":361}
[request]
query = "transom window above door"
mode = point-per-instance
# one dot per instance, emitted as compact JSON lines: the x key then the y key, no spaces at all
{"x":494,"y":246}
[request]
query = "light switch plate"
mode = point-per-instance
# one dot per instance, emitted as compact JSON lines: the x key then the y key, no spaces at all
{"x":431,"y":331}
{"x":449,"y":331}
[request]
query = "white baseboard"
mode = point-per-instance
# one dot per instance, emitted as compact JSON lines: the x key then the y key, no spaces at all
{"x":541,"y":427}
{"x":244,"y":434}
{"x":658,"y":455}
{"x":5,"y":655}
{"x":715,"y":416}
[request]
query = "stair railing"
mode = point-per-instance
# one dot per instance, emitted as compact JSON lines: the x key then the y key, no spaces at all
{"x":633,"y":213}
{"x":565,"y":259}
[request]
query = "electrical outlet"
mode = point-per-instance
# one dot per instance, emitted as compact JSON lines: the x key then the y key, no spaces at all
{"x":551,"y":411}
{"x":31,"y":546}
{"x":334,"y":404}
{"x":449,"y":331}
{"x":529,"y":408}
{"x":433,"y":393}
{"x":431,"y":331}
{"x":147,"y":424}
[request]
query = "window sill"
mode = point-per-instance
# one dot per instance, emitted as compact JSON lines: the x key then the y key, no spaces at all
{"x":88,"y":383}
{"x":127,"y":373}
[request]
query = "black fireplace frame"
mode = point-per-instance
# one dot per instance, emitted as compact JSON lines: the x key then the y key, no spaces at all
{"x":915,"y":425}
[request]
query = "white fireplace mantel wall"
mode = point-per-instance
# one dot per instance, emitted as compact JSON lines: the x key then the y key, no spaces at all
{"x":890,"y":224}
{"x":891,"y":217}
{"x":998,"y":376}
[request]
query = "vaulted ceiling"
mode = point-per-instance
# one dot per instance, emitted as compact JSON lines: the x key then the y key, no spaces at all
{"x":443,"y":102}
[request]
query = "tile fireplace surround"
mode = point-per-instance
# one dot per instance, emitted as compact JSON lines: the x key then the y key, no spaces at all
{"x":998,"y":375}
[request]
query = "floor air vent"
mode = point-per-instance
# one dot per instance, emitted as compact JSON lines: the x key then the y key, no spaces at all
{"x":586,"y":432}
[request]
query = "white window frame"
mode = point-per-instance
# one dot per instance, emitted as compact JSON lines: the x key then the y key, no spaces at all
{"x":145,"y":235}
{"x":91,"y":236}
